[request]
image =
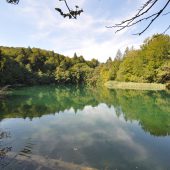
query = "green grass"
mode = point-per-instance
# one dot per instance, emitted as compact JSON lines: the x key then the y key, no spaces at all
{"x":135,"y":86}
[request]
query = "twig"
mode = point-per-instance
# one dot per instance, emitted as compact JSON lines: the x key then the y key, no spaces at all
{"x":137,"y":18}
{"x":166,"y":29}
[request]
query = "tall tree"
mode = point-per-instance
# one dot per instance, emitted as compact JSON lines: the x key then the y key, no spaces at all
{"x":118,"y":55}
{"x":126,"y":51}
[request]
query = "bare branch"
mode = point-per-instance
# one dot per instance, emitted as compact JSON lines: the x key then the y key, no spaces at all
{"x":166,"y":13}
{"x":158,"y":14}
{"x":139,"y":12}
{"x":140,"y":16}
{"x":134,"y":23}
{"x":166,"y":29}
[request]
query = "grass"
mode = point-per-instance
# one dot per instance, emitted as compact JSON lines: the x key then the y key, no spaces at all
{"x":135,"y":86}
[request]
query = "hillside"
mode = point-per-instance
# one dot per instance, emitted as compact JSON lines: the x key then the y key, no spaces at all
{"x":36,"y":66}
{"x":149,"y":64}
{"x":29,"y":66}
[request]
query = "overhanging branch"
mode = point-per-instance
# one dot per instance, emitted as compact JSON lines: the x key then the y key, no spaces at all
{"x":140,"y":16}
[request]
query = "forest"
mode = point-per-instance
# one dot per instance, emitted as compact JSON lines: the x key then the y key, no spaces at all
{"x":149,"y":64}
{"x":29,"y":66}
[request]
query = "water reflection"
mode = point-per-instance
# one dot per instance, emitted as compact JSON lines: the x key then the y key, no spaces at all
{"x":150,"y":109}
{"x":4,"y":149}
{"x":72,"y":128}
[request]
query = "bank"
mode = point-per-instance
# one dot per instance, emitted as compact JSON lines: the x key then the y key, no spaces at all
{"x":135,"y":86}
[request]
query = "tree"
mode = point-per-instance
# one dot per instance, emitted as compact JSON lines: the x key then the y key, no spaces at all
{"x":149,"y":64}
{"x":109,"y":60}
{"x":126,"y":51}
{"x":0,"y":55}
{"x":75,"y":56}
{"x":93,"y":63}
{"x":36,"y":66}
{"x":118,"y":55}
{"x":140,"y":16}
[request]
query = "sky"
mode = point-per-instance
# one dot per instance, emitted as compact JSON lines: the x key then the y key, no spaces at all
{"x":35,"y":23}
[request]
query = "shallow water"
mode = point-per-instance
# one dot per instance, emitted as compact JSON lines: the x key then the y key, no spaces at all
{"x":50,"y":127}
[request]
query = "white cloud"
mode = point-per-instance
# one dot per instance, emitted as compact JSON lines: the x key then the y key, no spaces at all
{"x":87,"y":36}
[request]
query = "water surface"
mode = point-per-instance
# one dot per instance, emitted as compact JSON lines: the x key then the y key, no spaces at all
{"x":50,"y":127}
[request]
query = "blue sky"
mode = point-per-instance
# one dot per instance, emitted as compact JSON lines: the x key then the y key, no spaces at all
{"x":35,"y":23}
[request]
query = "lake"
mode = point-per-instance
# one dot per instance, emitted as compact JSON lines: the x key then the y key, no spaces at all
{"x":83,"y":128}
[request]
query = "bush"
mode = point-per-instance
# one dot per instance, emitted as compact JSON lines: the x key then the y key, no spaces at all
{"x":168,"y":86}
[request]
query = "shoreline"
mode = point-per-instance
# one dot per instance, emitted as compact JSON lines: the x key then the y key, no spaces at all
{"x":134,"y":86}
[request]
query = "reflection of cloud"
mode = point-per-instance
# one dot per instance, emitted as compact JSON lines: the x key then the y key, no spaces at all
{"x":86,"y":129}
{"x":93,"y":131}
{"x":127,"y":139}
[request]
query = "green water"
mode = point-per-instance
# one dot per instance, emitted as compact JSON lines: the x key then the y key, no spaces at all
{"x":60,"y":128}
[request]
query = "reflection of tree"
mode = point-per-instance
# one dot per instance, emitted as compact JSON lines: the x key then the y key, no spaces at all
{"x":39,"y":101}
{"x":27,"y":150}
{"x":7,"y":157}
{"x":4,"y":134}
{"x":150,"y":109}
{"x":4,"y":149}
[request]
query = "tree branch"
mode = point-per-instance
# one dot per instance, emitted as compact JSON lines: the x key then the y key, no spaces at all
{"x":72,"y":14}
{"x":158,"y":14}
{"x":13,"y":1}
{"x":137,"y":18}
{"x":166,"y":29}
{"x":140,"y":16}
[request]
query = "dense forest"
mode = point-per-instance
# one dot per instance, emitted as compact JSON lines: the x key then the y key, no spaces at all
{"x":149,"y":64}
{"x":29,"y":66}
{"x":35,"y":66}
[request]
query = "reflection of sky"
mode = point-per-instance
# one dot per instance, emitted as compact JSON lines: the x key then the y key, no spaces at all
{"x":92,"y":137}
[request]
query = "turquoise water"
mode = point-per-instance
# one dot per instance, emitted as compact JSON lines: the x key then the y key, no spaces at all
{"x":59,"y":127}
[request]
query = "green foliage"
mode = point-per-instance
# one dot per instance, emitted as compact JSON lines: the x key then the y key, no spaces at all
{"x":149,"y":64}
{"x":35,"y":66}
{"x":164,"y":72}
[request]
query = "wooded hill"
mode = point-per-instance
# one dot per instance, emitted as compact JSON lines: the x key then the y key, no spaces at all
{"x":150,"y":63}
{"x":35,"y":66}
